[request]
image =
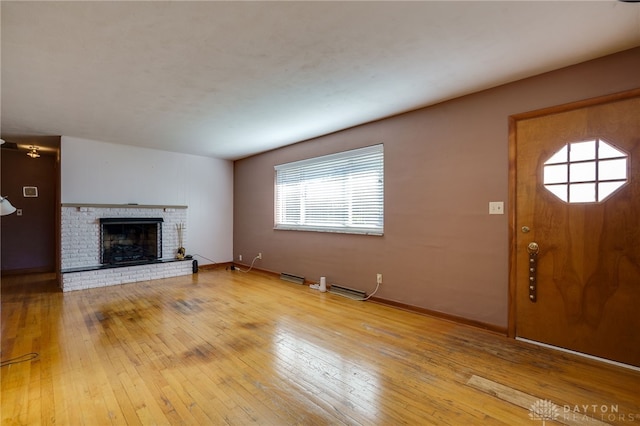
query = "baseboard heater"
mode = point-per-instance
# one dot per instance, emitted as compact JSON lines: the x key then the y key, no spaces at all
{"x":292,"y":278}
{"x":351,"y":293}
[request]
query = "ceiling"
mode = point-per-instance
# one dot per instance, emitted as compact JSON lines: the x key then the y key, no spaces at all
{"x":232,"y":79}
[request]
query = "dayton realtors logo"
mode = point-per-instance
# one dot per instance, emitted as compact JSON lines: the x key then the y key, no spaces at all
{"x":543,"y":410}
{"x":600,"y":412}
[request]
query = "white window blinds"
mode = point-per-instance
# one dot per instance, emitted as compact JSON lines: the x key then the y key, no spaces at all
{"x":341,"y":192}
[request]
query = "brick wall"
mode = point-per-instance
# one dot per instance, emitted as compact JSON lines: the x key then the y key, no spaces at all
{"x":80,"y":246}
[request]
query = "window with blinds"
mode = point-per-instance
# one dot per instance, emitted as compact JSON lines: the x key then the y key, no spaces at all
{"x":342,"y":192}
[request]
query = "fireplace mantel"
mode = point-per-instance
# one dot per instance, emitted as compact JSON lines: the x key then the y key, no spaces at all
{"x":122,"y":206}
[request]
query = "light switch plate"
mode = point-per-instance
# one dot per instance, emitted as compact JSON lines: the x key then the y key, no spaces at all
{"x":496,"y":207}
{"x":29,"y":191}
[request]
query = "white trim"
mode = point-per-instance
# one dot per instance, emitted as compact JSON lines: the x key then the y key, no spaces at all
{"x":595,"y":358}
{"x":350,"y":230}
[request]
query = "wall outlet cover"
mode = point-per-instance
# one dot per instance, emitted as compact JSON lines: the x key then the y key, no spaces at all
{"x":496,"y":207}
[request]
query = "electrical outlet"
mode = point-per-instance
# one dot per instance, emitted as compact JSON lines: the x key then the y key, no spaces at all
{"x":379,"y":278}
{"x":240,"y":257}
{"x":259,"y":255}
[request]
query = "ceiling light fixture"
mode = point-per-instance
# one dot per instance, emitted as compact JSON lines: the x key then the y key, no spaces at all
{"x":6,"y":207}
{"x":34,"y":152}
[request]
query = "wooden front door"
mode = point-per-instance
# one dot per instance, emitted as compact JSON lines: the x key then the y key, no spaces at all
{"x":576,"y":184}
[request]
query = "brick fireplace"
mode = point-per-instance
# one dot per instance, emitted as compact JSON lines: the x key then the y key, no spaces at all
{"x":82,"y":252}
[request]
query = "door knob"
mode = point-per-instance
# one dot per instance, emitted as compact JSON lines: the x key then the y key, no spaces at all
{"x":533,"y":247}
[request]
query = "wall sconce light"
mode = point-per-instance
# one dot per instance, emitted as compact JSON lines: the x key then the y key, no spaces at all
{"x":6,"y":207}
{"x":33,"y":153}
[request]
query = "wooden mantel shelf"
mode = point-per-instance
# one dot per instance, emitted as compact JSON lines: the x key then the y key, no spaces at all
{"x":122,"y":206}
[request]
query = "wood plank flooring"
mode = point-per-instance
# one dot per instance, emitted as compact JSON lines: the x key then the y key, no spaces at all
{"x":229,"y":348}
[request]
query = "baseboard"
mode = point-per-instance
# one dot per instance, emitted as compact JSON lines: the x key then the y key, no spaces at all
{"x":441,"y":315}
{"x":25,"y":271}
{"x":266,"y":272}
{"x":453,"y":318}
{"x":215,"y":266}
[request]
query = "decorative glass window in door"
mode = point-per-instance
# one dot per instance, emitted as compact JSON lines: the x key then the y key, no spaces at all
{"x":585,"y":172}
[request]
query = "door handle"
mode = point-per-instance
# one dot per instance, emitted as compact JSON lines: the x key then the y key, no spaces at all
{"x":533,"y":248}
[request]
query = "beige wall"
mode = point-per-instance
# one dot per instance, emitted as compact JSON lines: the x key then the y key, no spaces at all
{"x":441,"y":249}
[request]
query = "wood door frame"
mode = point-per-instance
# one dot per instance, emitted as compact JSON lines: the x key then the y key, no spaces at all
{"x":512,"y":213}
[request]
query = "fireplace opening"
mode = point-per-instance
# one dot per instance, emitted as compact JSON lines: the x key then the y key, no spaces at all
{"x":129,"y":240}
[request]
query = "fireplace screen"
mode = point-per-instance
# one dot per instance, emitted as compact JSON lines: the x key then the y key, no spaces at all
{"x":126,"y":240}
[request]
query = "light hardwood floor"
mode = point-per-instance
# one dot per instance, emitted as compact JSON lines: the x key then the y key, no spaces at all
{"x":224,"y":347}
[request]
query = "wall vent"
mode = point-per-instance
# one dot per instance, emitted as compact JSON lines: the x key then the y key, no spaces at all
{"x":351,"y":293}
{"x":292,"y":278}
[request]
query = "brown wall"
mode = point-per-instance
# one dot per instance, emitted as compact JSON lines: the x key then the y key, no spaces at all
{"x":441,"y":250}
{"x":29,"y":241}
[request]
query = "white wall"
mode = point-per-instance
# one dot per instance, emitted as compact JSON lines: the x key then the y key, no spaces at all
{"x":96,"y":172}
